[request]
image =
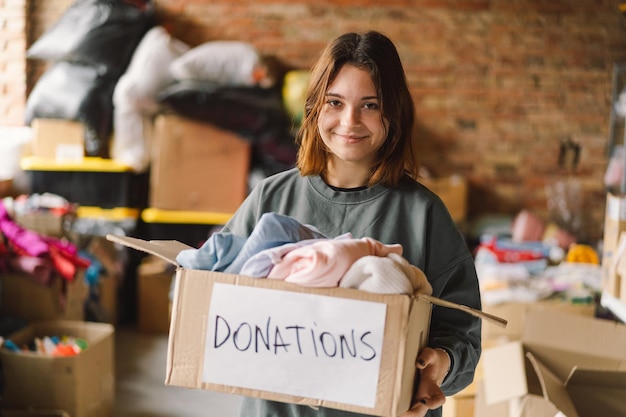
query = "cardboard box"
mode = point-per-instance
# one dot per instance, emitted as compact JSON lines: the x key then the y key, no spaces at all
{"x":58,"y":139}
{"x":616,"y":279}
{"x":197,"y":166}
{"x":453,"y":190}
{"x":103,"y":302}
{"x":569,"y":362}
{"x":154,"y":277}
{"x":459,"y":405}
{"x":334,"y":347}
{"x":45,"y":223}
{"x":614,"y":225}
{"x":516,"y":312}
{"x":22,"y":297}
{"x":82,"y":385}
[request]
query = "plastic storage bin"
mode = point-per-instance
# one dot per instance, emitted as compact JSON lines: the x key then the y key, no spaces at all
{"x":94,"y":181}
{"x":190,"y":227}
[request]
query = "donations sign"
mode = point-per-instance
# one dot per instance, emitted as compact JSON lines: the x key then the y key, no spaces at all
{"x":300,"y":344}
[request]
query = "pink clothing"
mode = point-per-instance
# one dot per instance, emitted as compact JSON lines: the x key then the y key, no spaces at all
{"x":323,"y":263}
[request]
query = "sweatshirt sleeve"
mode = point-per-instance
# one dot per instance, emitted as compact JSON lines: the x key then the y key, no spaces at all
{"x":451,"y":270}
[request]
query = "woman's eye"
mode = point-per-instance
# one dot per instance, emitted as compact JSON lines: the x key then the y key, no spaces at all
{"x":371,"y":106}
{"x":333,"y":103}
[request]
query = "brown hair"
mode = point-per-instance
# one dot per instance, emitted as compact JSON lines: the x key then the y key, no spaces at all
{"x":375,"y":53}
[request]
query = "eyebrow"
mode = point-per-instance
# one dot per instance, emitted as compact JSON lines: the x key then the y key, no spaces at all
{"x":340,"y":96}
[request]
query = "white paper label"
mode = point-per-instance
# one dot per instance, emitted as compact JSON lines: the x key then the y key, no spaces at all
{"x":314,"y":346}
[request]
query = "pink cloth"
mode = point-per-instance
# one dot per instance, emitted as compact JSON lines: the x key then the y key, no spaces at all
{"x":323,"y":263}
{"x":39,"y":269}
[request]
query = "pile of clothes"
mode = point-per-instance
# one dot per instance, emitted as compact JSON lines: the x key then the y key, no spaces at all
{"x":282,"y":248}
{"x":36,"y":255}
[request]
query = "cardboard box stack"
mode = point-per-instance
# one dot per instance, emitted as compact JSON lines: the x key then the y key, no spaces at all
{"x":229,"y":332}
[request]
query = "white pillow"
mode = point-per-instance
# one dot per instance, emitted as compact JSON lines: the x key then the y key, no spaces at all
{"x":148,"y":72}
{"x":221,"y":62}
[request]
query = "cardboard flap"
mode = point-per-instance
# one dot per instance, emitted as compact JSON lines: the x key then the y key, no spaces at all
{"x":164,"y":249}
{"x":597,"y":392}
{"x":552,"y":387}
{"x":476,"y":313}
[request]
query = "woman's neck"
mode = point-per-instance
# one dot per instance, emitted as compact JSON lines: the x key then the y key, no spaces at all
{"x":346,"y":175}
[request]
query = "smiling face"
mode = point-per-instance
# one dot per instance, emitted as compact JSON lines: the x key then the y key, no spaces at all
{"x":351,"y":126}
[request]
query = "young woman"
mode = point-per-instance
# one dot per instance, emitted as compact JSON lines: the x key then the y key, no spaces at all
{"x":356,"y":173}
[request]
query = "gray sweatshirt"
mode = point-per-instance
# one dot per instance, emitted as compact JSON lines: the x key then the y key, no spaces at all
{"x":410,"y":215}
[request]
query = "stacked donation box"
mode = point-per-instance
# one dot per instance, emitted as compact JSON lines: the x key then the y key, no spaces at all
{"x":105,"y":195}
{"x":198,"y":178}
{"x":58,"y":308}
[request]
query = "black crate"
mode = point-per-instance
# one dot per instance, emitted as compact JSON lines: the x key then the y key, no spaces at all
{"x":93,"y":182}
{"x":189,"y":227}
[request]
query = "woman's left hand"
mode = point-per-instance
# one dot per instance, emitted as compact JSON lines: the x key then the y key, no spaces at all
{"x":433,"y":365}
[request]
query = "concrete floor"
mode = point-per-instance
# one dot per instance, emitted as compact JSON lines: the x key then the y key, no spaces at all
{"x":141,"y":392}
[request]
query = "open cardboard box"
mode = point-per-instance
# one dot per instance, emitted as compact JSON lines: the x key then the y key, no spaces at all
{"x":82,"y":385}
{"x":571,"y":363}
{"x":333,"y":347}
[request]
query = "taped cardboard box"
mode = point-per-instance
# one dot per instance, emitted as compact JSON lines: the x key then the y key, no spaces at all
{"x":333,"y":347}
{"x":82,"y":385}
{"x":570,"y":363}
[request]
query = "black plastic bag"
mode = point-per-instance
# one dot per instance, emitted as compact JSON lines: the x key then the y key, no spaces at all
{"x":249,"y":111}
{"x":77,"y":92}
{"x":103,"y":33}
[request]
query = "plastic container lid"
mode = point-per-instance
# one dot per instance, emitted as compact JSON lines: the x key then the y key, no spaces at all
{"x":112,"y":214}
{"x":154,"y":215}
{"x":89,"y":163}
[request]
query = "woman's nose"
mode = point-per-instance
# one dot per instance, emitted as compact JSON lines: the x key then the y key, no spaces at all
{"x":351,"y":117}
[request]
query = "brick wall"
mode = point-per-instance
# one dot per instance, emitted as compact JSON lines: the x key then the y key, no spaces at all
{"x":499,"y":85}
{"x":12,"y":61}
